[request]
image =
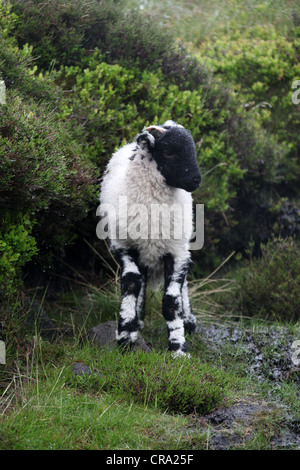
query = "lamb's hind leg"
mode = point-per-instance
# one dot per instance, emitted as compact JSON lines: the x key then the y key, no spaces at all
{"x":141,"y":302}
{"x":189,"y":318}
{"x":131,"y":285}
{"x":172,"y":304}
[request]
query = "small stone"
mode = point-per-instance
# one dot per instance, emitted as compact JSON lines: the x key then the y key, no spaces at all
{"x":80,"y":369}
{"x":104,"y":336}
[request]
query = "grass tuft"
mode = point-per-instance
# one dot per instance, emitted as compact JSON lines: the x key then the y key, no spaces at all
{"x":157,"y":380}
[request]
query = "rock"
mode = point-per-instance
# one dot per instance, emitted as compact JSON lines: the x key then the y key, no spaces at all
{"x":104,"y":335}
{"x":80,"y":369}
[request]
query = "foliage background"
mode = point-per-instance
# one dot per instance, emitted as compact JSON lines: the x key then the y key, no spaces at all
{"x":84,"y":78}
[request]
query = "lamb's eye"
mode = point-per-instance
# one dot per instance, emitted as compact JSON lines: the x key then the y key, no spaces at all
{"x":168,"y":155}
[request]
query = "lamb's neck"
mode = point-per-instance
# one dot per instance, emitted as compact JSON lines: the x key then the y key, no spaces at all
{"x":148,"y":181}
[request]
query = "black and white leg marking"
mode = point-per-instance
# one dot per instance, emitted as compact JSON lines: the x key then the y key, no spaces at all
{"x":141,"y":301}
{"x":174,"y":302}
{"x":133,"y":287}
{"x":189,"y":318}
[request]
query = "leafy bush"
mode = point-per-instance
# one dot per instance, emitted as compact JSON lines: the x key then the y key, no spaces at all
{"x":121,"y":71}
{"x":65,"y":33}
{"x":54,"y":28}
{"x":262,"y":64}
{"x":17,"y":247}
{"x":115,"y":103}
{"x":44,"y":174}
{"x":270,"y":286}
{"x":16,"y":65}
{"x":7,"y":19}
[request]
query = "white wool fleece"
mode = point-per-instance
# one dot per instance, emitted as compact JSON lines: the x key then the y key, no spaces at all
{"x":132,"y":174}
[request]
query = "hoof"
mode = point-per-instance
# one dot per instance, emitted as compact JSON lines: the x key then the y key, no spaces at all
{"x":180,"y":353}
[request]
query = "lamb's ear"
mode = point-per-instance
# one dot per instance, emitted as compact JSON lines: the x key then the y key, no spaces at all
{"x":156,"y":131}
{"x":149,"y":135}
{"x":170,"y":123}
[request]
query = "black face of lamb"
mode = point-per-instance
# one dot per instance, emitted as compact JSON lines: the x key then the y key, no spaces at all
{"x":175,"y":155}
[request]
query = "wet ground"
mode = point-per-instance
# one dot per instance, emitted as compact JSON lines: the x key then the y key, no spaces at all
{"x":252,"y":424}
{"x":266,"y":352}
{"x":267,"y":355}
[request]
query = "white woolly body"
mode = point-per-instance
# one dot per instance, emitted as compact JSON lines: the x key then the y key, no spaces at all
{"x":132,"y":178}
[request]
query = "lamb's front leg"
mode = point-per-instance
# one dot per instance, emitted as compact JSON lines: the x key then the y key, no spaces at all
{"x":131,"y":284}
{"x":172,"y":304}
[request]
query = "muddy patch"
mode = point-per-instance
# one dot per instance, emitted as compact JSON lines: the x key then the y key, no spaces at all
{"x":266,"y":353}
{"x":249,"y":424}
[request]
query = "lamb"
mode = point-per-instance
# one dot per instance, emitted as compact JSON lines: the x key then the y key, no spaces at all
{"x":159,"y":170}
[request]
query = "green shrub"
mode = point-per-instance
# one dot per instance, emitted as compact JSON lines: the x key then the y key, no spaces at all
{"x":55,"y":29}
{"x":121,"y":71}
{"x":44,"y":173}
{"x":17,"y":247}
{"x":18,"y":72}
{"x":65,"y":33}
{"x":7,"y":19}
{"x":115,"y":103}
{"x":104,"y":102}
{"x":262,"y":65}
{"x":270,"y":286}
{"x":42,"y":170}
